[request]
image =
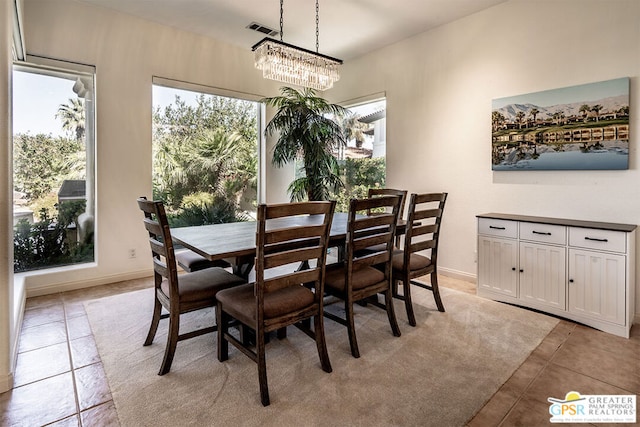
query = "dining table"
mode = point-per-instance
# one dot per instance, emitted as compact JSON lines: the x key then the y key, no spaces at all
{"x":235,"y":242}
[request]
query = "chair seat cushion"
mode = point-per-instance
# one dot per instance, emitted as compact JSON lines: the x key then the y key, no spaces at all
{"x":360,"y":278}
{"x":191,"y":261}
{"x":203,"y":285}
{"x":416,"y":262}
{"x":240,"y":302}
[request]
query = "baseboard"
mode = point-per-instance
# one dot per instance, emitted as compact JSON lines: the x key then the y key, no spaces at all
{"x":6,"y":383}
{"x":456,"y":274}
{"x":52,"y":288}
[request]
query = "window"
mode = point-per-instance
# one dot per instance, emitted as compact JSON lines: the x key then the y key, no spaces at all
{"x":205,"y":154}
{"x":53,"y":165}
{"x":362,"y":161}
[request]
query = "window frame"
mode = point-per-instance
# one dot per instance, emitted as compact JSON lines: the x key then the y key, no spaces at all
{"x":62,"y":69}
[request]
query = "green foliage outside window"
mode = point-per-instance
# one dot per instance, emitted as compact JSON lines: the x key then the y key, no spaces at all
{"x":205,"y":159}
{"x":359,"y":175}
{"x":51,"y":241}
{"x":41,"y":162}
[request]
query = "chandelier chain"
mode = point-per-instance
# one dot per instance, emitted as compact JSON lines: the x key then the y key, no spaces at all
{"x":281,"y":20}
{"x":317,"y":27}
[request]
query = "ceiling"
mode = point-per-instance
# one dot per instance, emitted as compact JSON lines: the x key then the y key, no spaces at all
{"x":348,"y":28}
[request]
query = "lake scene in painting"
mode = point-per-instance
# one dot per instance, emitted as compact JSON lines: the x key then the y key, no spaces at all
{"x":583,"y":127}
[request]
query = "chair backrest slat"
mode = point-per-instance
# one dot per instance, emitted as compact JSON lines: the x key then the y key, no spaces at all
{"x":373,"y":192}
{"x":294,"y":209}
{"x":422,"y":245}
{"x":158,"y":248}
{"x":379,"y":220}
{"x":160,"y":267}
{"x":292,"y":233}
{"x":379,"y":238}
{"x":419,"y":230}
{"x":427,"y":213}
{"x":376,"y":258}
{"x":293,"y":279}
{"x":278,"y":259}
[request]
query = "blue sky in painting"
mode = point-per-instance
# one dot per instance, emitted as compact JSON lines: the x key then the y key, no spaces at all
{"x":567,"y":95}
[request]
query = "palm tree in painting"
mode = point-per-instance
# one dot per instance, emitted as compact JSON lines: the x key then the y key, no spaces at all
{"x":72,"y":116}
{"x":558,"y":117}
{"x":519,"y":117}
{"x":534,"y":113}
{"x":584,"y":110}
{"x":596,"y":109}
{"x":497,"y":119}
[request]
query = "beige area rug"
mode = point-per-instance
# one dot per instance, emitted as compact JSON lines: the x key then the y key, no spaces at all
{"x":439,"y":373}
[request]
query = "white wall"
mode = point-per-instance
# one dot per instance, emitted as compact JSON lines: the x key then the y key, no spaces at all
{"x":439,"y":86}
{"x":127,"y":52}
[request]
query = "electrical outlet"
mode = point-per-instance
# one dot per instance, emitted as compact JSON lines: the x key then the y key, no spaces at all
{"x":132,"y":253}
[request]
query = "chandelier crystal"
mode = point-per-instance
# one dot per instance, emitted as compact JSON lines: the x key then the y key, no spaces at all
{"x":294,"y":65}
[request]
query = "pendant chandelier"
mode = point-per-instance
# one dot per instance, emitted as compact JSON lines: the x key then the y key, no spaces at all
{"x":290,"y":64}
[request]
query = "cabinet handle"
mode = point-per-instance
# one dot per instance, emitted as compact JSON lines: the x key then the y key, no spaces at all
{"x":521,"y":271}
{"x":570,"y":280}
{"x":596,"y":240}
{"x":497,"y":228}
{"x":513,"y":269}
{"x":542,"y":232}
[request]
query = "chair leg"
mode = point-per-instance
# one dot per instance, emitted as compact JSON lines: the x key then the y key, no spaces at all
{"x":157,"y":311}
{"x":281,"y":333}
{"x":172,"y":341}
{"x":321,"y":343}
{"x":436,"y":291}
{"x":394,"y":287}
{"x":222,"y":320}
{"x":351,"y":328}
{"x":406,"y":289}
{"x":262,"y":368}
{"x":391,"y":314}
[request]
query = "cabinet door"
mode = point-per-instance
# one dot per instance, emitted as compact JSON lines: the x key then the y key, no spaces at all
{"x":543,"y":275}
{"x":497,"y":262}
{"x":597,"y":285}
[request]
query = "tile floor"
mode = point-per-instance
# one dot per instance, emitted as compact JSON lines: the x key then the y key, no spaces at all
{"x":70,"y":389}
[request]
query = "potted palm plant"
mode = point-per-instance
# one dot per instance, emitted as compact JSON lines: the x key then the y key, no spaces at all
{"x":307,"y":132}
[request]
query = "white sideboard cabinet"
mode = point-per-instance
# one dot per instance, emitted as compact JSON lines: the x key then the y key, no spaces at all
{"x":580,"y":270}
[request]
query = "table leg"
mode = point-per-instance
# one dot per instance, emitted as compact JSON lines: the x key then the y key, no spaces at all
{"x":242,"y":267}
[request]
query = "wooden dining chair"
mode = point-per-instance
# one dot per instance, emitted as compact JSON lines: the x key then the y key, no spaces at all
{"x":422,"y":234}
{"x":282,"y":294}
{"x":365,"y":274}
{"x":177,"y":294}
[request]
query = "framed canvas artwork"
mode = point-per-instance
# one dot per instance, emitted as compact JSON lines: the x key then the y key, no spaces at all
{"x":583,"y":127}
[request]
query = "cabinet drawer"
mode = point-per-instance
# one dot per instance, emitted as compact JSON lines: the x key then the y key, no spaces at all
{"x":545,"y":233}
{"x":498,"y":227}
{"x":603,"y":240}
